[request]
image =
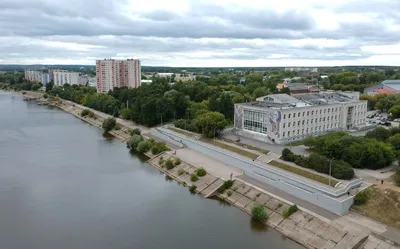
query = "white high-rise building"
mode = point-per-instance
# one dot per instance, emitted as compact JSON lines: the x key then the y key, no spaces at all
{"x":117,"y":73}
{"x":37,"y":76}
{"x":62,"y":77}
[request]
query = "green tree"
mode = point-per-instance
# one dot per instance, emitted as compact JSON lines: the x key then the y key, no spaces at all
{"x":126,"y":113}
{"x":395,"y":141}
{"x":379,"y":133}
{"x":109,"y":124}
{"x":143,"y":146}
{"x":394,"y":111}
{"x":49,"y":86}
{"x":226,"y":106}
{"x":210,"y":124}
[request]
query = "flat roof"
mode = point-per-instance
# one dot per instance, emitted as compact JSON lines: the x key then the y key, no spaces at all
{"x":285,"y":101}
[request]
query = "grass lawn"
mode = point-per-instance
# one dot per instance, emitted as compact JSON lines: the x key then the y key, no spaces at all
{"x":297,"y":143}
{"x":304,"y":173}
{"x":247,"y":146}
{"x":383,"y":205}
{"x":181,"y":131}
{"x":230,"y":148}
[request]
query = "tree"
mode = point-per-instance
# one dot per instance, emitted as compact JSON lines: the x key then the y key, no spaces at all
{"x":109,"y":124}
{"x":394,"y":111}
{"x":260,"y":91}
{"x":395,"y":141}
{"x":213,"y":103}
{"x":380,"y":134}
{"x":210,"y":124}
{"x":143,"y":146}
{"x":134,"y":141}
{"x":126,"y":113}
{"x":226,"y":106}
{"x":49,"y":86}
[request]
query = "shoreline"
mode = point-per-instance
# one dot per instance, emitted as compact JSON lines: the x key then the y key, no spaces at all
{"x":302,"y":227}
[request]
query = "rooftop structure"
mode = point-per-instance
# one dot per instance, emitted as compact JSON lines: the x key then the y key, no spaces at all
{"x":393,"y":85}
{"x":282,"y":118}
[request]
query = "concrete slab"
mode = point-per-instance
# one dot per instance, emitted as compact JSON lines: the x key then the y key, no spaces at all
{"x":370,"y":245}
{"x":299,"y":217}
{"x":316,"y":242}
{"x":334,"y":234}
{"x":273,"y":204}
{"x":242,"y":202}
{"x":329,"y":245}
{"x":358,"y":239}
{"x":383,"y":245}
{"x":281,"y":208}
{"x":243,"y":189}
{"x":322,"y":229}
{"x":313,"y":225}
{"x":286,"y":225}
{"x":263,"y":198}
{"x":234,"y":197}
{"x":249,"y":207}
{"x":274,"y":219}
{"x":344,"y":241}
{"x":253,"y":194}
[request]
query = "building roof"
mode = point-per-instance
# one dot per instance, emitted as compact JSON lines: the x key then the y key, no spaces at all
{"x":383,"y":91}
{"x":285,"y":101}
{"x":393,"y":84}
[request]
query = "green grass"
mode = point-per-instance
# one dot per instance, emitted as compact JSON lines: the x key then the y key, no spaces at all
{"x":304,"y":173}
{"x":250,"y":147}
{"x":230,"y":148}
{"x":189,"y":134}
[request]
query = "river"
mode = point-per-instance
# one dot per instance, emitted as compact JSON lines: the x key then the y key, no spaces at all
{"x":64,"y":186}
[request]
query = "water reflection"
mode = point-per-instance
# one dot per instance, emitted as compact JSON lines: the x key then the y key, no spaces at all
{"x":257,"y":226}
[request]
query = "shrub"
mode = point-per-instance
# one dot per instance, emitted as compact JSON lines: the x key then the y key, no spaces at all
{"x":134,"y":141}
{"x":161,"y":160}
{"x":361,"y":197}
{"x":193,"y":177}
{"x":287,"y":155}
{"x":229,"y":193}
{"x":117,"y":127}
{"x":289,"y":211}
{"x":225,"y":186}
{"x":109,"y":124}
{"x":192,"y":188}
{"x":397,"y":177}
{"x":45,"y":96}
{"x":85,"y":112}
{"x":143,"y":146}
{"x":181,"y":172}
{"x":135,"y":131}
{"x":177,"y":161}
{"x":169,"y":164}
{"x":258,"y":213}
{"x":158,"y":147}
{"x":201,"y":172}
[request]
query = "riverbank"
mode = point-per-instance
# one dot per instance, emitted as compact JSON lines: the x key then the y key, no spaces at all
{"x":303,"y":227}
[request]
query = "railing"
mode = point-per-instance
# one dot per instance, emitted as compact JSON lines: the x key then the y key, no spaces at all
{"x":315,"y":186}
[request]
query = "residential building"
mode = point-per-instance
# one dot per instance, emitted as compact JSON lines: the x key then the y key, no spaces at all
{"x":37,"y":76}
{"x":299,"y":69}
{"x":374,"y":92}
{"x":61,"y":77}
{"x":392,"y":85}
{"x":298,"y":88}
{"x":283,"y":118}
{"x":117,"y":73}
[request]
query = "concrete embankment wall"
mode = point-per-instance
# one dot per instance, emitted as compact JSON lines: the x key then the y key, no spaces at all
{"x":317,"y":194}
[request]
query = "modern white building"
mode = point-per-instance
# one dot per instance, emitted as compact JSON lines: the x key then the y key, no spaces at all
{"x":37,"y":76}
{"x":62,"y":77}
{"x":117,"y":73}
{"x":282,"y":118}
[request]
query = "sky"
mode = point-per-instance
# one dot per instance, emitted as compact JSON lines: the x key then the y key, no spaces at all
{"x":201,"y":33}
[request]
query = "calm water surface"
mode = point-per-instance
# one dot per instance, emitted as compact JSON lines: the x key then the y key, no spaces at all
{"x":64,"y":186}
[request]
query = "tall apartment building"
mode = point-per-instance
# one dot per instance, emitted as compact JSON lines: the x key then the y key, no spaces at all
{"x":61,"y":77}
{"x":117,"y":73}
{"x":282,"y":118}
{"x":37,"y":76}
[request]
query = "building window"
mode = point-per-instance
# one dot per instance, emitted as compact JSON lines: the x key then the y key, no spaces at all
{"x":316,"y":120}
{"x":298,"y":132}
{"x":302,"y":131}
{"x":302,"y":122}
{"x":323,"y":119}
{"x":336,"y":109}
{"x":283,"y":134}
{"x":307,"y":130}
{"x":284,"y":116}
{"x":294,"y":124}
{"x":308,"y":113}
{"x":289,"y":124}
{"x":307,"y":121}
{"x":298,"y":122}
{"x":329,"y":109}
{"x":312,"y":120}
{"x":288,"y":133}
{"x":304,"y":113}
{"x":298,"y":114}
{"x":312,"y":112}
{"x":324,"y":110}
{"x":289,"y":115}
{"x":320,"y":111}
{"x":284,"y":125}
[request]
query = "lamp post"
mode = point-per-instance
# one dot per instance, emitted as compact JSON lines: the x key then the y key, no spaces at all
{"x":330,"y":170}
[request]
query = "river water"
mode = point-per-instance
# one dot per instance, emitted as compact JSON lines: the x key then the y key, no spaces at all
{"x":64,"y":186}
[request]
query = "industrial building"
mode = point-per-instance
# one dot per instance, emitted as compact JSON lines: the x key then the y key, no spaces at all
{"x":282,"y":118}
{"x":385,"y":87}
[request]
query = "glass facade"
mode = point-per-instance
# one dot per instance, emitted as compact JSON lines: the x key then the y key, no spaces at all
{"x":255,"y":121}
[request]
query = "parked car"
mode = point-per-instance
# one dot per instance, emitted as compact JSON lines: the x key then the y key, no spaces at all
{"x":397,"y":120}
{"x":385,"y":123}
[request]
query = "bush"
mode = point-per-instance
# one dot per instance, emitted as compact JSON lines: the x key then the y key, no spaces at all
{"x":287,"y":155}
{"x":117,"y":127}
{"x":289,"y":211}
{"x":181,"y":172}
{"x":361,"y":197}
{"x":169,"y":164}
{"x":85,"y":112}
{"x":258,"y":213}
{"x":193,"y":177}
{"x":229,"y":193}
{"x":225,"y":186}
{"x":192,"y":188}
{"x":177,"y":161}
{"x":45,"y":96}
{"x":109,"y":124}
{"x":397,"y":177}
{"x":134,"y":141}
{"x":135,"y":131}
{"x":143,"y":146}
{"x":201,"y":172}
{"x":158,"y":147}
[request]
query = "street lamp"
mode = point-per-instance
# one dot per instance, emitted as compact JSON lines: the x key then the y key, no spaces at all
{"x":330,"y":170}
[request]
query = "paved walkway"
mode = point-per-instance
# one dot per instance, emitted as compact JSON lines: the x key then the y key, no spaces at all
{"x":301,"y":203}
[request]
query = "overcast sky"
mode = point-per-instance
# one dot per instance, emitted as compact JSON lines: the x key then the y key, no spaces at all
{"x":224,"y":33}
